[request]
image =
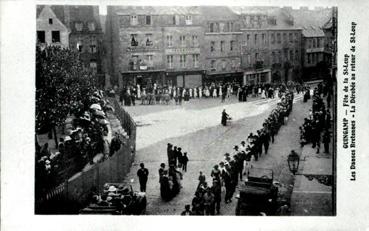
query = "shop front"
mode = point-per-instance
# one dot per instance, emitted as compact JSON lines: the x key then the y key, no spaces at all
{"x":257,"y":77}
{"x":187,"y":79}
{"x":143,"y":78}
{"x":233,"y":77}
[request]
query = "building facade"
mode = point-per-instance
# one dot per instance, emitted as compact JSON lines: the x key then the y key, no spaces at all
{"x":75,"y":27}
{"x":271,"y":45}
{"x":187,"y":46}
{"x":155,"y":45}
{"x":222,"y":44}
{"x":316,"y":43}
{"x":50,"y":29}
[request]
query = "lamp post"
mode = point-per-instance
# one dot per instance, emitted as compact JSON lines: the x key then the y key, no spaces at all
{"x":293,"y":161}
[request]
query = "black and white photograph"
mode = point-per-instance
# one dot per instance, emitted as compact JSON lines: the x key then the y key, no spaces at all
{"x":184,"y":115}
{"x":185,"y":110}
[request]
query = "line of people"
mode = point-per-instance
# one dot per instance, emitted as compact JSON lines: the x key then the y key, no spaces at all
{"x":238,"y":163}
{"x":170,"y":179}
{"x":315,"y":128}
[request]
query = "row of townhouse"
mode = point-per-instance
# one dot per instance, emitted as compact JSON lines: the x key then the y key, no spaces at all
{"x":187,"y":46}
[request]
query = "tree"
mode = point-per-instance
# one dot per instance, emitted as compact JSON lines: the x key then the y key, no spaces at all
{"x":63,"y":87}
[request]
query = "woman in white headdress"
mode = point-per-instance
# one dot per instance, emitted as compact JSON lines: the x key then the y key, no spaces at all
{"x":220,"y":90}
{"x":195,"y":92}
{"x":200,"y":92}
{"x":191,"y":95}
{"x":138,"y":91}
{"x":214,"y":92}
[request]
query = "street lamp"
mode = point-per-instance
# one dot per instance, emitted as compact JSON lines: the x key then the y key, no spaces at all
{"x":293,"y":161}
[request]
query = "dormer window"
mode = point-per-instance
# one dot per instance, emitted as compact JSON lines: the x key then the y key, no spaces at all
{"x":134,"y":42}
{"x":78,"y":26}
{"x":188,"y":19}
{"x":50,"y":21}
{"x":134,"y":20}
{"x":91,"y":26}
{"x":148,"y":19}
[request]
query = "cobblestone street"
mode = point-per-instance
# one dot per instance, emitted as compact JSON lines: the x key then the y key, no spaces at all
{"x":207,"y":145}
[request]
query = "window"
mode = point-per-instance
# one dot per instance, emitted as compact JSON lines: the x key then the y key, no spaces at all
{"x":55,"y":36}
{"x":224,"y":64}
{"x":318,"y":42}
{"x":278,"y":38}
{"x":212,"y":46}
{"x":249,"y":59}
{"x":284,"y":37}
{"x":296,"y":37}
{"x":291,"y":56}
{"x":247,"y":39}
{"x":78,"y":26}
{"x":280,"y":60}
{"x":273,"y":57}
{"x":182,"y":40}
{"x":221,"y":46}
{"x":176,"y":20}
{"x":211,"y":27}
{"x":231,"y":27}
{"x":256,"y":57}
{"x":231,"y":46}
{"x":314,"y":43}
{"x":169,"y":40}
{"x":195,"y":60}
{"x":41,"y":36}
{"x":148,"y":19}
{"x":134,"y":42}
{"x":93,"y":46}
{"x":182,"y":61}
{"x":91,"y":26}
{"x":212,"y":64}
{"x":222,"y":27}
{"x":148,"y":40}
{"x":290,"y":37}
{"x":79,"y":46}
{"x":263,"y":38}
{"x":93,"y":66}
{"x":195,"y":41}
{"x":272,"y":38}
{"x":149,"y":60}
{"x":170,"y":61}
{"x":309,"y":58}
{"x":50,"y":21}
{"x":134,"y":20}
{"x":188,"y":19}
{"x":296,"y":55}
{"x":256,"y":39}
{"x":309,"y":43}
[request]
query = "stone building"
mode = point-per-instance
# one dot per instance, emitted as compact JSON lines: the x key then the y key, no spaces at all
{"x":76,"y":27}
{"x":222,"y":44}
{"x":50,"y":29}
{"x":155,"y":45}
{"x":316,"y":43}
{"x":270,"y":44}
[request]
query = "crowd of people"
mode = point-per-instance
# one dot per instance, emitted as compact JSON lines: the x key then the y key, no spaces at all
{"x":238,"y":163}
{"x":316,"y":127}
{"x":159,"y":94}
{"x":170,"y":179}
{"x":86,"y":136}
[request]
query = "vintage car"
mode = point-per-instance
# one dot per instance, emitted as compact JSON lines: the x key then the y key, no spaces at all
{"x":117,"y":199}
{"x":258,"y":195}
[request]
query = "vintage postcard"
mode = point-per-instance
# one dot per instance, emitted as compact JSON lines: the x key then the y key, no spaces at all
{"x":133,"y":114}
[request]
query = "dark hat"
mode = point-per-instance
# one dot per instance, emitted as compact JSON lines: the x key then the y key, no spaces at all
{"x":243,"y":142}
{"x":227,"y":154}
{"x":235,"y":147}
{"x":169,"y":144}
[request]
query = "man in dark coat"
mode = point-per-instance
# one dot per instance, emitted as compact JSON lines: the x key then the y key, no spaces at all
{"x":225,"y":117}
{"x":169,"y":152}
{"x":142,"y":174}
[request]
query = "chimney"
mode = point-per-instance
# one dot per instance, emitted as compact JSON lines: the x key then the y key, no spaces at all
{"x":67,"y":16}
